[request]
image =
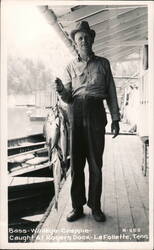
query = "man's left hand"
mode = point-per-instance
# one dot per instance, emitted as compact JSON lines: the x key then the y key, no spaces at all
{"x":115,"y":128}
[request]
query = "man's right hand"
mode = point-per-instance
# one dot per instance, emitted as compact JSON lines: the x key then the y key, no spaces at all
{"x":59,"y":85}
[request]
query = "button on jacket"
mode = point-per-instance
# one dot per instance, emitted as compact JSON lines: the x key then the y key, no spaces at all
{"x":92,"y":78}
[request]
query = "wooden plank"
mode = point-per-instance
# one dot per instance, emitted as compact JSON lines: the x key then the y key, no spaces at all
{"x":28,"y":169}
{"x":14,"y":181}
{"x":24,"y":139}
{"x":124,"y":213}
{"x":27,"y":144}
{"x":120,"y":37}
{"x":109,"y":192}
{"x":123,"y":59}
{"x":121,"y":55}
{"x":10,"y":180}
{"x":29,"y":152}
{"x":124,"y":43}
{"x":119,"y":50}
{"x":19,"y":181}
{"x":118,"y":53}
{"x":125,"y":77}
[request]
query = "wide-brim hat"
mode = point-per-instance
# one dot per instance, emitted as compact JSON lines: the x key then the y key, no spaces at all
{"x":82,"y":26}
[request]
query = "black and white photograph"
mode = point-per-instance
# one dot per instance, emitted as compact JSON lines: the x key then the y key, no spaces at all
{"x":77,"y":117}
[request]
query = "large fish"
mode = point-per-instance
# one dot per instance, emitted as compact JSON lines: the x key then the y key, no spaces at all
{"x":51,"y":131}
{"x":57,"y":173}
{"x":55,"y":131}
{"x":63,"y":143}
{"x":47,"y":126}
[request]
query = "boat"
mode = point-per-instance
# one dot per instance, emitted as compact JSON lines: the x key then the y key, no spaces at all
{"x":28,"y":195}
{"x":30,"y":181}
{"x":30,"y":177}
{"x":24,"y":144}
{"x":28,"y":156}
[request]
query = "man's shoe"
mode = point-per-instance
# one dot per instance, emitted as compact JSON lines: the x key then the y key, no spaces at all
{"x":98,"y":215}
{"x":75,"y":214}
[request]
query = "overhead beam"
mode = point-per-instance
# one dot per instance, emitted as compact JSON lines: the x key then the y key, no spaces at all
{"x":122,"y":52}
{"x":125,"y":77}
{"x":119,"y":53}
{"x":122,"y":56}
{"x":131,"y":59}
{"x":52,"y":20}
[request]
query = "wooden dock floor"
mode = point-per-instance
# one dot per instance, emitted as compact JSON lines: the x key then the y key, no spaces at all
{"x":125,"y":199}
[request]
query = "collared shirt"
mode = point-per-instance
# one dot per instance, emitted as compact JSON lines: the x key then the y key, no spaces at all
{"x":92,"y":78}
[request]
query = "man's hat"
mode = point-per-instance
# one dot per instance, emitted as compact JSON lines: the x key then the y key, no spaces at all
{"x":82,"y":26}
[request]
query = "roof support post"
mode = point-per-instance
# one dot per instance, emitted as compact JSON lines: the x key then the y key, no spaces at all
{"x":52,"y":20}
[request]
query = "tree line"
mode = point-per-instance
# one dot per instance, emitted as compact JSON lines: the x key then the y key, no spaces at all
{"x":25,"y":76}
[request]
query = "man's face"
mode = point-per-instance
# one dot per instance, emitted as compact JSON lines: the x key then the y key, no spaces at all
{"x":83,"y":42}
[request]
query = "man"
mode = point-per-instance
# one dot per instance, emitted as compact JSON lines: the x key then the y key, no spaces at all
{"x":88,"y":81}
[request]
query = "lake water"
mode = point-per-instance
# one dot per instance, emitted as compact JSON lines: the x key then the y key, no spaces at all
{"x":19,"y":124}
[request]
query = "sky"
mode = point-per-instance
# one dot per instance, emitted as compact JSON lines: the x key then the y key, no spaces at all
{"x":29,"y":35}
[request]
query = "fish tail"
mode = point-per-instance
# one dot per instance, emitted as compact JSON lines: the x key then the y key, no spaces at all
{"x":56,"y":205}
{"x":64,"y":170}
{"x":64,"y":174}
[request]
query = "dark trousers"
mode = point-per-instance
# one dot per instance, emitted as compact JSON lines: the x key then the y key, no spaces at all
{"x":88,"y":121}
